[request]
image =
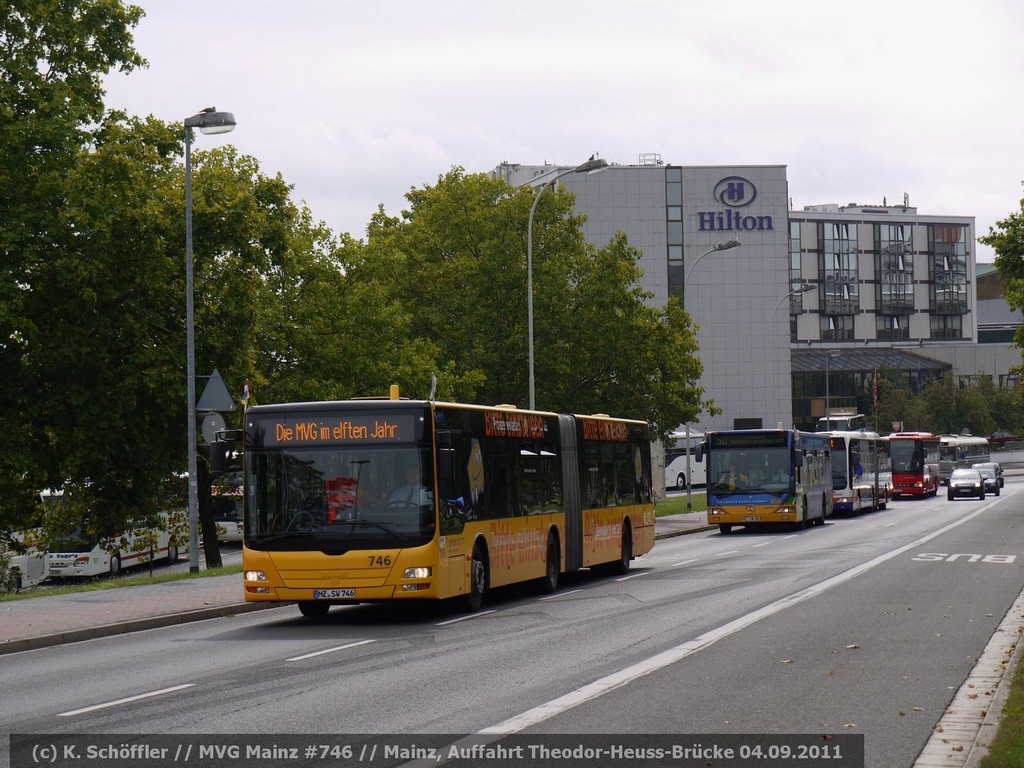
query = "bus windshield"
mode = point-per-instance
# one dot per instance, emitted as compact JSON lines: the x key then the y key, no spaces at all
{"x":340,"y":497}
{"x":750,"y":470}
{"x":840,"y":468}
{"x":906,"y":456}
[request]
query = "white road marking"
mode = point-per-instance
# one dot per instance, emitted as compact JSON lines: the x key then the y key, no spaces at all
{"x":685,"y":562}
{"x":562,"y":594}
{"x":93,"y":708}
{"x":464,"y":618}
{"x":654,"y":663}
{"x":329,"y":650}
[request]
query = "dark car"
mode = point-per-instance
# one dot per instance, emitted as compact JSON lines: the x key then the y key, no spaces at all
{"x":965,"y":482}
{"x":1001,"y":438}
{"x":995,"y":468}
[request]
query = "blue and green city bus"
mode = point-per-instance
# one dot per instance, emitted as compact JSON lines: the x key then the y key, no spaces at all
{"x":767,"y":477}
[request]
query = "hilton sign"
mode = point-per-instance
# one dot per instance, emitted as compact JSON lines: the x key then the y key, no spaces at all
{"x":733,"y":192}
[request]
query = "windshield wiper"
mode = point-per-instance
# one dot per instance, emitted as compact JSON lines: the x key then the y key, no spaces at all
{"x":279,"y":536}
{"x":381,"y":526}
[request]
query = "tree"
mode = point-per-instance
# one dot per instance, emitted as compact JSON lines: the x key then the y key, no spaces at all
{"x":1007,"y":238}
{"x":457,"y":262}
{"x":51,"y":62}
{"x":953,"y":409}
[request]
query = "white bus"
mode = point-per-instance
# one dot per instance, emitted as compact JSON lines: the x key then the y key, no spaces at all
{"x":675,"y":462}
{"x":29,"y":567}
{"x":842,"y":421}
{"x":76,"y":556}
{"x":961,"y":451}
{"x":861,"y":471}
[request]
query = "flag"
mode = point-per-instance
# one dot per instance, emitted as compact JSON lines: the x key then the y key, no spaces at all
{"x":245,"y":392}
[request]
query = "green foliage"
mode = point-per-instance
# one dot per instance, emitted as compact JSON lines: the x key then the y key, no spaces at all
{"x":1007,"y":238}
{"x":945,"y":407}
{"x":457,"y":263}
{"x":51,"y":63}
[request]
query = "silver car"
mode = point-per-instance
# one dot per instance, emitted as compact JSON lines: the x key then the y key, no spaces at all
{"x":965,"y":482}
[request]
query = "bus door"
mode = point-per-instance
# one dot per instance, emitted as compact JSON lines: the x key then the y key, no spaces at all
{"x":458,"y":460}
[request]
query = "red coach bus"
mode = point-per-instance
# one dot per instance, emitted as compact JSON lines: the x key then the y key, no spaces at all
{"x":915,"y":463}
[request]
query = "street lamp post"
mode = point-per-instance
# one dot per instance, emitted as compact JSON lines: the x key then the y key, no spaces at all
{"x":802,"y":287}
{"x":727,"y":245}
{"x":587,"y":167}
{"x":209,"y":121}
{"x":832,"y":354}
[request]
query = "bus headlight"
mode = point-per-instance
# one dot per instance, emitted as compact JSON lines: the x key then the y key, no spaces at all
{"x":255,"y":576}
{"x":418,"y":573}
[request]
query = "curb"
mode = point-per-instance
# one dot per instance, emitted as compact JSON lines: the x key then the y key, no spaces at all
{"x":131,"y":625}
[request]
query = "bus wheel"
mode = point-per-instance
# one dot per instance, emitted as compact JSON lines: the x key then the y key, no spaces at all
{"x":314,"y":609}
{"x":115,"y":564}
{"x":549,"y":583}
{"x":172,"y":554}
{"x":477,"y":581}
{"x":680,"y":481}
{"x":621,"y":566}
{"x":824,"y":506}
{"x":725,"y":528}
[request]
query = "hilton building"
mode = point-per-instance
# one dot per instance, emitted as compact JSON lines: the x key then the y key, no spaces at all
{"x":809,"y":304}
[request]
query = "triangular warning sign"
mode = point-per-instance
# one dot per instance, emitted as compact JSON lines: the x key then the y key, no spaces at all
{"x":215,"y":396}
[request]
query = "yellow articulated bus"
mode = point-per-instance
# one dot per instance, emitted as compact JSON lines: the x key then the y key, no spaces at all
{"x":376,"y":500}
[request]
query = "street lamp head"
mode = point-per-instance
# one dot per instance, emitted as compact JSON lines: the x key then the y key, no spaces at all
{"x":210,"y":121}
{"x":734,"y":243}
{"x":593,"y":164}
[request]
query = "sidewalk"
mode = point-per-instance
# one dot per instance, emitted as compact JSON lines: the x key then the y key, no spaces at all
{"x":52,"y":620}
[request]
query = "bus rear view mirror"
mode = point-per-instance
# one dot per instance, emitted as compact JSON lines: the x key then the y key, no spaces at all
{"x":224,"y":457}
{"x":218,"y":456}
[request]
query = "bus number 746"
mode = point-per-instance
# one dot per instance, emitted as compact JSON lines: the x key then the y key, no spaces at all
{"x":380,"y":560}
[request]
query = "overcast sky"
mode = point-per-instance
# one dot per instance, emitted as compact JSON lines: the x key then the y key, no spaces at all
{"x":354,"y":103}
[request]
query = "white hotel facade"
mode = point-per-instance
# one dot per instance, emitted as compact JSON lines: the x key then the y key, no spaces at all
{"x":846,"y":290}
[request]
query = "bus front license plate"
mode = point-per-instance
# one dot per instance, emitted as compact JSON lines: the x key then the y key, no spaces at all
{"x":751,"y":519}
{"x":333,"y":594}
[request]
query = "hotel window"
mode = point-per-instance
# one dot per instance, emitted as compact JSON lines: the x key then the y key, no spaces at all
{"x":947,"y":267}
{"x":836,"y":328}
{"x":894,"y":265}
{"x":796,"y":301}
{"x":838,"y":267}
{"x":947,"y":327}
{"x":674,"y":232}
{"x":892,"y":327}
